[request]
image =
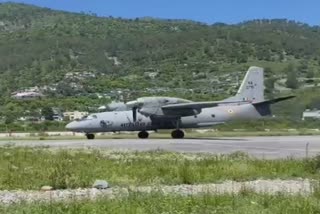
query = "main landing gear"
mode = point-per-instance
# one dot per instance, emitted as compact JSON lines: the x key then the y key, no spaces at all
{"x":177,"y":134}
{"x":90,"y":136}
{"x":143,"y":134}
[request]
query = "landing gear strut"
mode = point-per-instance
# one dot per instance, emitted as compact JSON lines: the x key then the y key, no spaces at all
{"x":143,"y":135}
{"x":177,"y":134}
{"x":90,"y":136}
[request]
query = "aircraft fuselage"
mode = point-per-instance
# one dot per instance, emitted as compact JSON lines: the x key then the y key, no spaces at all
{"x":123,"y":120}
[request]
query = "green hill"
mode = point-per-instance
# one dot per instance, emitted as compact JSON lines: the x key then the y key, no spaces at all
{"x":80,"y":54}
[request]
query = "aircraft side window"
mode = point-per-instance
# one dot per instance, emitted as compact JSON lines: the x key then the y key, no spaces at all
{"x":213,"y":115}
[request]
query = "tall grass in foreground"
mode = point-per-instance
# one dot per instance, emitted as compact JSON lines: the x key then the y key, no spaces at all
{"x":25,"y":168}
{"x":157,"y":203}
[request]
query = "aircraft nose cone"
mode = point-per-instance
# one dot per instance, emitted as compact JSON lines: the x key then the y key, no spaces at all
{"x":71,"y":126}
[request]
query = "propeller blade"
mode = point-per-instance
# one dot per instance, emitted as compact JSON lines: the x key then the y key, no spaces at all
{"x":134,"y":114}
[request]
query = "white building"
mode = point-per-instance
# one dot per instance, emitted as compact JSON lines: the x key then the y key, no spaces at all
{"x":27,"y":95}
{"x":311,"y":114}
{"x":75,"y":115}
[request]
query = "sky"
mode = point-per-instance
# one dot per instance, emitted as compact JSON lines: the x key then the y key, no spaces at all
{"x":208,"y":11}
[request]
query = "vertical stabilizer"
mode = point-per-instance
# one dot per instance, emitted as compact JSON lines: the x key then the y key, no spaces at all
{"x":252,"y":86}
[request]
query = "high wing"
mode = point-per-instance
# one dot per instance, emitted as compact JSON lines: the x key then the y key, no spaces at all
{"x":199,"y":105}
{"x":192,"y":108}
{"x":172,"y":107}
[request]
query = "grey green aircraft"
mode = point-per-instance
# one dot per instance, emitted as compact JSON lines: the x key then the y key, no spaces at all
{"x":154,"y":113}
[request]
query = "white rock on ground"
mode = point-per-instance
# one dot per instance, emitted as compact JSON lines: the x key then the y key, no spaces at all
{"x":100,"y":184}
{"x":46,"y":188}
{"x":300,"y":186}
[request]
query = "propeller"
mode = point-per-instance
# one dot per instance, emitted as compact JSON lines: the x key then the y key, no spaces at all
{"x":134,"y":113}
{"x":134,"y":105}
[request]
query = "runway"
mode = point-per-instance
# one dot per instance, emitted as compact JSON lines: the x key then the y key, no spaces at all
{"x":261,"y":147}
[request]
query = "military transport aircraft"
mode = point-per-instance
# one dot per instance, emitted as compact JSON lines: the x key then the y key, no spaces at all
{"x":154,"y":113}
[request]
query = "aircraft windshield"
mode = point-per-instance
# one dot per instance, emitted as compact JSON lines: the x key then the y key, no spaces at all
{"x":89,"y":117}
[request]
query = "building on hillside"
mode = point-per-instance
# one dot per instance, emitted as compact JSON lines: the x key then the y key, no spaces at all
{"x":30,"y":119}
{"x":151,"y":75}
{"x":74,"y":115}
{"x":57,"y":114}
{"x":311,"y":114}
{"x":79,"y":75}
{"x":27,"y":95}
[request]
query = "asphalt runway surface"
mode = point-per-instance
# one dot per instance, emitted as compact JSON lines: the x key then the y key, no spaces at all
{"x":261,"y":147}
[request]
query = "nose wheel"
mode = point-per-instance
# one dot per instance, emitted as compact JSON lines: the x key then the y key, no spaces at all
{"x":90,"y":136}
{"x":177,"y":134}
{"x":143,"y":135}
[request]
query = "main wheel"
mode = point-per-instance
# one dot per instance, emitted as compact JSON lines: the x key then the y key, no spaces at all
{"x":177,"y":134}
{"x":90,"y":136}
{"x":143,"y":135}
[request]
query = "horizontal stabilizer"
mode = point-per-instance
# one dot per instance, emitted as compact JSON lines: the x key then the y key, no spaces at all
{"x":264,"y":107}
{"x":272,"y":101}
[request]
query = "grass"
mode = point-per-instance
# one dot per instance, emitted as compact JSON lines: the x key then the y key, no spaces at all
{"x":157,"y":203}
{"x":26,"y":168}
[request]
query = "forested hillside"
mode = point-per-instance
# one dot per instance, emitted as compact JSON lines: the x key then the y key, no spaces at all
{"x":72,"y":55}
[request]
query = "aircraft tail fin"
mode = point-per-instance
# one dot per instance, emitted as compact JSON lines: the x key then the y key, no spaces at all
{"x":252,"y":86}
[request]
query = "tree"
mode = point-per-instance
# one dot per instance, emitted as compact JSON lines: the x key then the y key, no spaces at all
{"x":290,"y":68}
{"x":303,"y":67}
{"x":11,"y":112}
{"x":268,"y":72}
{"x":292,"y":81}
{"x":310,"y":74}
{"x":269,"y":83}
{"x":47,"y":113}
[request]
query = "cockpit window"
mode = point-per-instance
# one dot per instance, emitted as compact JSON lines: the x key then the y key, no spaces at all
{"x":91,"y":117}
{"x":82,"y":118}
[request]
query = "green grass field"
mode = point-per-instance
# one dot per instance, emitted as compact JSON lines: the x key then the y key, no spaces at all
{"x":25,"y":168}
{"x":245,"y":203}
